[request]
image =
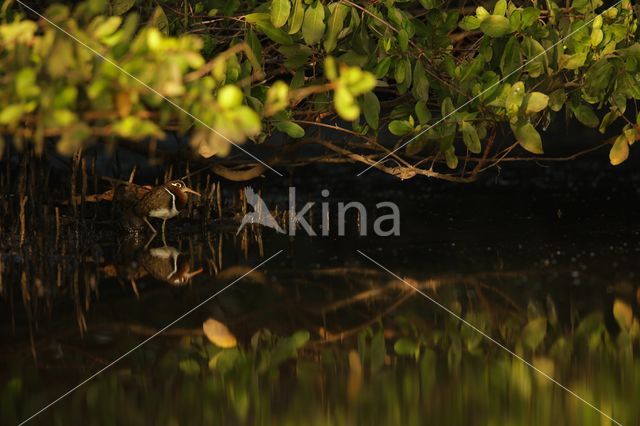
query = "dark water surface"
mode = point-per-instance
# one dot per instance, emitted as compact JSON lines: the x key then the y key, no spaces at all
{"x":325,"y":336}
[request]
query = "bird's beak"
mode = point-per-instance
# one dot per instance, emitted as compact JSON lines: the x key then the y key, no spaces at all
{"x":191,"y":191}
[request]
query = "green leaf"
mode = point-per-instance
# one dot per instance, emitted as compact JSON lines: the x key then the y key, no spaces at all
{"x":470,"y":137}
{"x":407,"y":347}
{"x":529,"y":138}
{"x":470,"y":23}
{"x":607,"y":120}
{"x":358,"y":81}
{"x":623,"y":314}
{"x":313,"y":27}
{"x":371,"y":109}
{"x":620,"y":151}
{"x":136,"y":128}
{"x":557,"y":98}
{"x":572,"y":62}
{"x":586,"y":116}
{"x":422,"y":112}
{"x":254,"y":18}
{"x":447,"y":108}
{"x":495,"y":26}
{"x":159,"y":20}
{"x":420,"y":88}
{"x":383,"y":67}
{"x":280,"y":10}
{"x":277,"y":98}
{"x":288,"y":347}
{"x":120,"y":7}
{"x":108,"y":27}
{"x":534,"y":332}
{"x":189,"y":367}
{"x":400,"y":72}
{"x":500,"y":8}
{"x":290,"y":128}
{"x":378,"y":352}
{"x":511,"y":57}
{"x":275,"y":34}
{"x":26,"y":86}
{"x":514,"y":99}
{"x":529,"y":16}
{"x":345,"y":104}
{"x":537,"y":60}
{"x":536,"y":102}
{"x":219,"y":334}
{"x":400,"y":127}
{"x":596,"y":37}
{"x":338,"y":12}
{"x":297,"y":17}
{"x":72,"y":138}
{"x":403,"y":40}
{"x":585,"y":5}
{"x":11,"y":114}
{"x":451,"y":157}
{"x":295,"y":55}
{"x":230,"y":96}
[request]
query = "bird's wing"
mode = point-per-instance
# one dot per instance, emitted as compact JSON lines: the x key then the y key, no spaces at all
{"x":156,"y":197}
{"x":250,"y":195}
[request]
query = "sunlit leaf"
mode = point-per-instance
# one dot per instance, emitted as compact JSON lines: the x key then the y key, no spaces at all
{"x":136,"y":128}
{"x":623,"y":314}
{"x":495,"y":26}
{"x":620,"y":151}
{"x":338,"y":13}
{"x":314,"y":26}
{"x":297,"y":17}
{"x":277,"y":98}
{"x":230,"y":96}
{"x":400,"y":127}
{"x":345,"y":104}
{"x":290,"y":128}
{"x":218,"y":334}
{"x":354,"y":383}
{"x":500,"y":8}
{"x":529,"y":138}
{"x":280,"y":10}
{"x":536,"y":102}
{"x":451,"y":158}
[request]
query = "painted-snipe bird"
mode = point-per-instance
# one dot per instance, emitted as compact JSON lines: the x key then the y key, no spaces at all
{"x":164,"y":202}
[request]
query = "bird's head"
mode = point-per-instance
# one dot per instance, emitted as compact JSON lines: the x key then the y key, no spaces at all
{"x":179,"y":185}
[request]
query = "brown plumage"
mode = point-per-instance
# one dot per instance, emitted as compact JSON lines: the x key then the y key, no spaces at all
{"x":164,"y":202}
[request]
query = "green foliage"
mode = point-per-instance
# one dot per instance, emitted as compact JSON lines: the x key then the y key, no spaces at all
{"x":401,"y":66}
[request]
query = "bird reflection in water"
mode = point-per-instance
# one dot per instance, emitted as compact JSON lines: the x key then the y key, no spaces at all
{"x":165,"y":263}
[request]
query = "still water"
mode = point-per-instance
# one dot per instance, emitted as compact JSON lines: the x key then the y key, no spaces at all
{"x":324,"y":335}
